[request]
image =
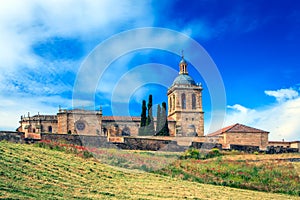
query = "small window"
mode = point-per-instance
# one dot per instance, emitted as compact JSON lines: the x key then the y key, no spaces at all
{"x":186,"y":119}
{"x":192,"y":119}
{"x":50,"y":129}
{"x":183,"y":101}
{"x":173,"y":102}
{"x":193,"y":101}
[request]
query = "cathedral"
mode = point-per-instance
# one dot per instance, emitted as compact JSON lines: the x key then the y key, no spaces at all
{"x":185,"y":121}
{"x":185,"y":115}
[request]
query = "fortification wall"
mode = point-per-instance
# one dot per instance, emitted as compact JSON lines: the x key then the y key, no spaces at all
{"x":205,"y":145}
{"x":12,"y":136}
{"x":82,"y":140}
{"x":150,"y":144}
{"x":139,"y":143}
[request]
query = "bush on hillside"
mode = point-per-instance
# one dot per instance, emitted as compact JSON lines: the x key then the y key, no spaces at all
{"x":193,"y":153}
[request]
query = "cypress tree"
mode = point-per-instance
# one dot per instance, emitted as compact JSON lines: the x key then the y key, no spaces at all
{"x":158,"y":120}
{"x":143,"y":114}
{"x":143,"y":118}
{"x":164,"y":120}
{"x":150,"y":122}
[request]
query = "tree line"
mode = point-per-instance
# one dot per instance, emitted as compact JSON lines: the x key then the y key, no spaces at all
{"x":147,"y":121}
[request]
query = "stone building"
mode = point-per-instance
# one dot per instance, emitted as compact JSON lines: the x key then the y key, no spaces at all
{"x":79,"y":121}
{"x":285,"y":144}
{"x":239,"y":134}
{"x":185,"y":119}
{"x":185,"y":115}
{"x":38,"y":124}
{"x":185,"y":104}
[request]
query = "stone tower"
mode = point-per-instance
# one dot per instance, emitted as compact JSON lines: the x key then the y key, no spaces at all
{"x":185,"y":104}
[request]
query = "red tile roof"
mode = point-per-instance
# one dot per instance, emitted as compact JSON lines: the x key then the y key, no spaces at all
{"x":237,"y":128}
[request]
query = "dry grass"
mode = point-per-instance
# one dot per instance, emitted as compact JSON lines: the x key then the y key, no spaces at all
{"x":262,"y":157}
{"x":29,"y":172}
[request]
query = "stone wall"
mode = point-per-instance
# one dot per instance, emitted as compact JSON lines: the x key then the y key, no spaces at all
{"x":119,"y":128}
{"x":12,"y":136}
{"x":150,"y":144}
{"x":250,"y":139}
{"x":281,"y":149}
{"x":81,"y":122}
{"x":203,"y":145}
{"x":244,"y":148}
{"x":140,"y":143}
{"x":81,"y":140}
{"x":283,"y":144}
{"x":296,"y":145}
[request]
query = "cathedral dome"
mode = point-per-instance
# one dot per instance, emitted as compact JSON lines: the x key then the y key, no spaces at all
{"x":184,"y":79}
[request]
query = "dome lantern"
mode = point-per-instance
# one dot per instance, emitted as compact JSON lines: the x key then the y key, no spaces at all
{"x":183,"y":65}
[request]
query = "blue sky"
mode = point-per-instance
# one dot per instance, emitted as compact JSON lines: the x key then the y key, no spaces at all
{"x":254,"y":44}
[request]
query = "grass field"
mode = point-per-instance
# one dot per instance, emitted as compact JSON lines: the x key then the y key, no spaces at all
{"x":30,"y":172}
{"x":269,"y":175}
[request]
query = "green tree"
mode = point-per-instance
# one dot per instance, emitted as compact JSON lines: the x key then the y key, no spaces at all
{"x":162,"y":128}
{"x":158,"y":120}
{"x":164,"y":120}
{"x":150,"y":122}
{"x":143,"y":114}
{"x":143,"y":118}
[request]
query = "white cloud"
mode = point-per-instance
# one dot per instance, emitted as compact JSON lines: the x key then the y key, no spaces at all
{"x":22,"y":23}
{"x":280,"y":119}
{"x":283,"y":94}
{"x":199,"y":29}
{"x":14,"y":105}
{"x":239,"y":108}
{"x":31,"y":83}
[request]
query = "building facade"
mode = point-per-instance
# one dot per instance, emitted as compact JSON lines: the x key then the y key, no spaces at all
{"x":185,"y":104}
{"x":239,"y":134}
{"x":185,"y":115}
{"x":185,"y":119}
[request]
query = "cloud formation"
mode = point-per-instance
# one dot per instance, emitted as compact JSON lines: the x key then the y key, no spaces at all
{"x":43,"y":43}
{"x":283,"y":94}
{"x":35,"y":36}
{"x":280,"y":119}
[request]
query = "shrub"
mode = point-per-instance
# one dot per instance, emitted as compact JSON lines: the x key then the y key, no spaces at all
{"x":191,"y":153}
{"x":87,"y":154}
{"x":213,"y":153}
{"x":196,"y":154}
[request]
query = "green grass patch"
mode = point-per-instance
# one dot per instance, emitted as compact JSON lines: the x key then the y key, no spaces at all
{"x":275,"y":176}
{"x":31,"y":172}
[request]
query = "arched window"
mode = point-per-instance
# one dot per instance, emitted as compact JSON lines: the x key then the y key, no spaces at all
{"x":193,"y":101}
{"x":173,"y":102}
{"x":183,"y":101}
{"x":126,"y":131}
{"x":50,"y":129}
{"x":170,"y":100}
{"x":104,"y":131}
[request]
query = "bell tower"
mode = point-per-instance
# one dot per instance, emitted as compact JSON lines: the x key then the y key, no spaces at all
{"x":185,"y":103}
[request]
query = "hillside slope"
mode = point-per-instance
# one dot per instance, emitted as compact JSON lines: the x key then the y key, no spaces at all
{"x":29,"y":172}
